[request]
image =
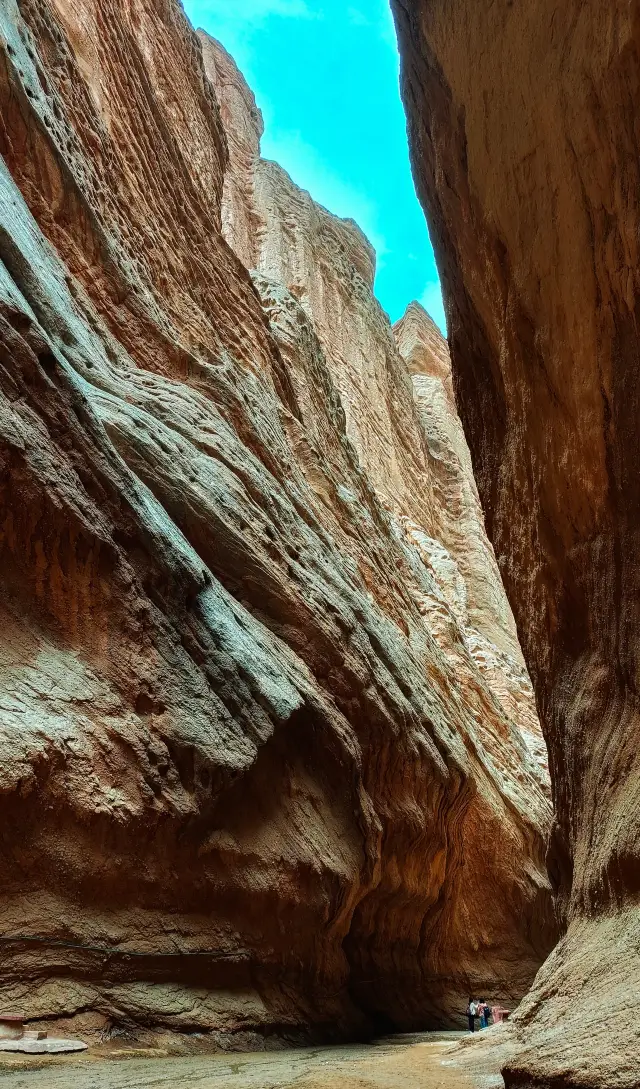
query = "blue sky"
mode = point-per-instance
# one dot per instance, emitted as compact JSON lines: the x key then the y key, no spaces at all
{"x":325,"y":75}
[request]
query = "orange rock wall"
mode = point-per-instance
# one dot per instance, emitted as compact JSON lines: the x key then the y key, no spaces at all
{"x":244,"y":785}
{"x":523,"y":126}
{"x":395,"y":386}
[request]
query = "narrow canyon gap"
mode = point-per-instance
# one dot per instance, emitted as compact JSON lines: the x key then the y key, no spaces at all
{"x":270,"y":758}
{"x":524,"y":132}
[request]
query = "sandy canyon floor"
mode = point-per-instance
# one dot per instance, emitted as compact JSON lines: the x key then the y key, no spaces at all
{"x":415,"y":1062}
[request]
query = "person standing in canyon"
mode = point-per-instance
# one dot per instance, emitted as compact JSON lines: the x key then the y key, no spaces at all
{"x":472,"y":1011}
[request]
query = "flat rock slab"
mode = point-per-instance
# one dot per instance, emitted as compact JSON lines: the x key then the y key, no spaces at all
{"x":41,"y":1047}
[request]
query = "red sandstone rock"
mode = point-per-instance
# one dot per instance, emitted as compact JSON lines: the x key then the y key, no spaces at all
{"x":247,"y":784}
{"x":523,"y":125}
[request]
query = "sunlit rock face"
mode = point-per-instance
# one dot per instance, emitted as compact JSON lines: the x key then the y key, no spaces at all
{"x":523,"y":122}
{"x":400,"y":415}
{"x":395,"y":385}
{"x":248,"y":783}
{"x":329,"y":266}
{"x":474,"y":588}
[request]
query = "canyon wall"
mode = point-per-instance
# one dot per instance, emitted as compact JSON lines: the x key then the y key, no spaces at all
{"x":394,"y":385}
{"x":522,"y":120}
{"x":254,"y":776}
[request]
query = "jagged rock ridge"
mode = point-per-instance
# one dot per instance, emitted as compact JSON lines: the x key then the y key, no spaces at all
{"x":523,"y":122}
{"x":247,"y":782}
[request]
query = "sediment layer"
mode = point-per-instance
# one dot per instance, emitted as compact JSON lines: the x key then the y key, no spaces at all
{"x":246,"y":785}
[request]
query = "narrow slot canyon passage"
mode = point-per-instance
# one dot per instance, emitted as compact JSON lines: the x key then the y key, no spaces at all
{"x":275,"y":795}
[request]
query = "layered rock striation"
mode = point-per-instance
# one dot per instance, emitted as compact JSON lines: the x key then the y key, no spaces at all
{"x":523,"y":126}
{"x":394,"y":385}
{"x":247,"y":783}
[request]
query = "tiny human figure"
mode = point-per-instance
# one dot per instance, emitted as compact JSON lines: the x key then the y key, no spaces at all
{"x":472,"y":1013}
{"x":484,"y":1014}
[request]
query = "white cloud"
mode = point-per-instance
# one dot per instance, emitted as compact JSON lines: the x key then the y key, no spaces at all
{"x":310,"y":171}
{"x":357,"y":17}
{"x":256,"y":10}
{"x":295,"y":8}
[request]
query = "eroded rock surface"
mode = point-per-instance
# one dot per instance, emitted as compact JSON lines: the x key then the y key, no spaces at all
{"x":395,"y":386}
{"x":463,"y":558}
{"x":524,"y":134}
{"x":246,"y":783}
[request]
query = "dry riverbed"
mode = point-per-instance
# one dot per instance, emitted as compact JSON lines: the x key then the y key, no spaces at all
{"x":412,"y":1062}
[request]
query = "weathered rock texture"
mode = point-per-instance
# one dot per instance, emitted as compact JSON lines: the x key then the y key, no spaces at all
{"x":245,"y":783}
{"x":474,"y":590}
{"x":396,"y":391}
{"x":523,"y":121}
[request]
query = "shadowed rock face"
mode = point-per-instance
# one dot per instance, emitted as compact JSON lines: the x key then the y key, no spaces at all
{"x":246,"y":782}
{"x":523,"y":126}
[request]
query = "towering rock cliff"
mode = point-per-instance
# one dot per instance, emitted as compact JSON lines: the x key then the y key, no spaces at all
{"x":474,"y":589}
{"x":247,"y":782}
{"x":396,"y":391}
{"x":524,"y":132}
